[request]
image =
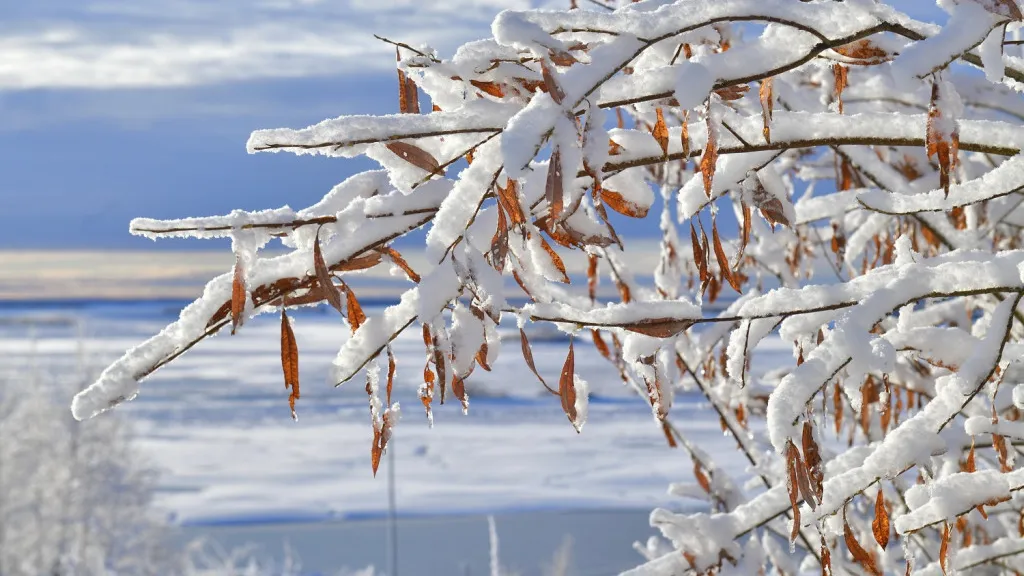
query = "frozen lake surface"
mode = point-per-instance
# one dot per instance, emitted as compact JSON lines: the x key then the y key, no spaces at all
{"x":216,"y":423}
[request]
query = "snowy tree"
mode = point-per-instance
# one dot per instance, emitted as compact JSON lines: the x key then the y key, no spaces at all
{"x":74,"y":498}
{"x":855,"y":183}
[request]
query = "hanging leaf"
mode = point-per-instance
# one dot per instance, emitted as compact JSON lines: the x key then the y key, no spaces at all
{"x":880,"y":525}
{"x":770,"y":206}
{"x":839,"y":74}
{"x":944,"y":547}
{"x":553,"y":189}
{"x":702,"y":478}
{"x":556,"y":259}
{"x":459,"y":389}
{"x":865,"y":52}
{"x":793,"y":490}
{"x":684,"y":135}
{"x":860,"y":555}
{"x":617,"y":202}
{"x":408,"y":95}
{"x":660,"y":132}
{"x":416,"y":156}
{"x":600,"y":344}
{"x":289,"y":361}
{"x":567,"y":387}
{"x":723,"y":260}
{"x":767,"y":103}
{"x":971,"y":466}
{"x":489,"y":88}
{"x":941,"y":139}
{"x":528,"y":356}
{"x":550,"y":84}
{"x":499,"y":243}
{"x":358,"y":263}
{"x":710,"y":158}
{"x":812,"y":460}
{"x":237,"y":295}
{"x":592,"y":276}
{"x":669,"y":436}
{"x":509,"y":199}
{"x":327,"y":289}
{"x":396,"y":257}
{"x":826,"y":559}
{"x":356,"y":318}
{"x":391,"y":372}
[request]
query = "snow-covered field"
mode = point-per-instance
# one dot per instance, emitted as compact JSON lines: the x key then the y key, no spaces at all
{"x":217,"y":424}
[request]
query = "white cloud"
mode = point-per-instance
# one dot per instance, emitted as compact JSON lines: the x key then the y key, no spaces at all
{"x":122,"y":44}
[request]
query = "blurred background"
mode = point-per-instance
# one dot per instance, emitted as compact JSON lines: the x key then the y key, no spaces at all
{"x":114,"y":109}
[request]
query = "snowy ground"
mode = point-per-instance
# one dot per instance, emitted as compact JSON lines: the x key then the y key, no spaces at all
{"x":216,"y":422}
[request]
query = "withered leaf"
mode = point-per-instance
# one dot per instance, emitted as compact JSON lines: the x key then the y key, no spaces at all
{"x":551,"y":84}
{"x":237,"y":295}
{"x":567,"y":387}
{"x":396,"y":257}
{"x":865,"y":52}
{"x":528,"y":356}
{"x":944,"y":547}
{"x":802,"y":482}
{"x":509,"y":198}
{"x":767,"y":103}
{"x":408,"y":96}
{"x":702,"y":478}
{"x":459,"y":389}
{"x":669,"y":436}
{"x":358,"y":263}
{"x":660,"y":132}
{"x":1007,"y":8}
{"x":556,"y":259}
{"x":723,"y":260}
{"x":659,"y":327}
{"x":592,"y":276}
{"x":709,"y":159}
{"x":416,"y":156}
{"x":489,"y":88}
{"x":289,"y":361}
{"x":499,"y":243}
{"x":732,"y":92}
{"x":880,"y":525}
{"x":684,"y":135}
{"x":793,"y":489}
{"x":770,"y":206}
{"x":971,"y":466}
{"x":839,"y":73}
{"x":600,"y":344}
{"x":617,"y":202}
{"x":356,"y":318}
{"x":698,"y":254}
{"x":860,"y":555}
{"x":553,"y":189}
{"x":391,"y":372}
{"x":327,"y":288}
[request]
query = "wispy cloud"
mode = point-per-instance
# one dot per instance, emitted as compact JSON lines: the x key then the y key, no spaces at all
{"x":169,"y":43}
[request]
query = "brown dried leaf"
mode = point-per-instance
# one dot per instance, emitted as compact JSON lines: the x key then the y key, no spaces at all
{"x":323,"y":276}
{"x":499,"y":243}
{"x":391,"y":373}
{"x":509,"y":198}
{"x":723,"y":260}
{"x":600,"y":344}
{"x":659,"y":327}
{"x":770,"y":206}
{"x":551,"y":84}
{"x":553,"y":189}
{"x":944,"y":546}
{"x":793,"y":488}
{"x":733,"y":92}
{"x":567,"y":387}
{"x":865,"y":51}
{"x":237,"y":295}
{"x":800,"y":476}
{"x":289,"y":361}
{"x":812,"y":460}
{"x":459,"y":389}
{"x":592,"y":276}
{"x":971,"y":466}
{"x":702,"y":478}
{"x":880,"y":525}
{"x":528,"y":356}
{"x":668,"y":435}
{"x":356,"y":318}
{"x":408,"y":95}
{"x":616,"y":202}
{"x":826,"y":559}
{"x":767,"y":104}
{"x":660,"y":132}
{"x":999,"y":443}
{"x":839,"y":73}
{"x":358,"y":263}
{"x":860,"y":555}
{"x":489,"y":88}
{"x":698,"y":254}
{"x":556,"y":259}
{"x":396,"y":257}
{"x":709,"y":159}
{"x":416,"y":156}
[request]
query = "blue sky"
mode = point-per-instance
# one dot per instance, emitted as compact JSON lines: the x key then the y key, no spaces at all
{"x":111,"y":109}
